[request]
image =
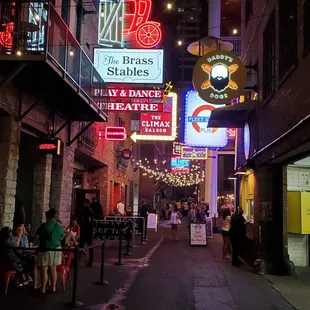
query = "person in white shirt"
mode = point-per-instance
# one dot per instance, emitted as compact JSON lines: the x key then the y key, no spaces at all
{"x":120,"y":208}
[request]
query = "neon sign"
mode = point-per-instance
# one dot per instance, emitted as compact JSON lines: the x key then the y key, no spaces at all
{"x":52,"y":146}
{"x":188,"y":152}
{"x":126,"y":23}
{"x":196,"y":131}
{"x":171,"y":100}
{"x":219,"y":77}
{"x":6,"y":36}
{"x":179,"y":165}
{"x":115,"y":133}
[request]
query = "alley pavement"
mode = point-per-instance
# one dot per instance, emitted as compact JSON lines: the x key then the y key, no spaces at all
{"x":161,"y":274}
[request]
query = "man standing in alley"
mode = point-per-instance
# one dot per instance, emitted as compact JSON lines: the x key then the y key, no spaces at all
{"x":86,"y":224}
{"x":120,"y":208}
{"x":97,"y":209}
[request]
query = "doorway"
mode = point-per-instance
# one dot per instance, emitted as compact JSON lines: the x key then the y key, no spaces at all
{"x":81,"y":195}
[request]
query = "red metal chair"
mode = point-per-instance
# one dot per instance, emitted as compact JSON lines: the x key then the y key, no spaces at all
{"x":64,"y":269}
{"x":7,"y":278}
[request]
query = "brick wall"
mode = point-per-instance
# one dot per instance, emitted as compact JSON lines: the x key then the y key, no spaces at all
{"x":289,"y":104}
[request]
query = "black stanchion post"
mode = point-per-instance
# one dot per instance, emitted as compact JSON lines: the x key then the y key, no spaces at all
{"x":102,"y":281}
{"x":74,"y":303}
{"x":142,"y":233}
{"x":145,"y":232}
{"x":120,"y":235}
{"x":128,"y":237}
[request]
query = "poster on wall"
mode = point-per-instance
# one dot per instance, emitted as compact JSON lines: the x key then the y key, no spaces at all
{"x":196,"y":130}
{"x":198,"y":234}
{"x":138,"y":66}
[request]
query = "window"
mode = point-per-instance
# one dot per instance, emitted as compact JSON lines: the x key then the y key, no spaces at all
{"x":306,"y":26}
{"x":248,"y":183}
{"x":287,"y":37}
{"x":269,"y":58}
{"x":248,"y":10}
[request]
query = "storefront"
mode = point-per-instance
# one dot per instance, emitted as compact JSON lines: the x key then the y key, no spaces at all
{"x":298,"y":209}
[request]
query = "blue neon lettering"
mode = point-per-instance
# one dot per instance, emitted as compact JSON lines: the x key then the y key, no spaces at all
{"x":198,"y":119}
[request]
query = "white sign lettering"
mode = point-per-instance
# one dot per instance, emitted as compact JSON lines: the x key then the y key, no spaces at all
{"x":129,"y":66}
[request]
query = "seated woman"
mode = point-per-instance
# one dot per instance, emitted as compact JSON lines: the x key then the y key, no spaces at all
{"x":74,"y":227}
{"x":69,"y":239}
{"x":21,"y":237}
{"x":21,"y":262}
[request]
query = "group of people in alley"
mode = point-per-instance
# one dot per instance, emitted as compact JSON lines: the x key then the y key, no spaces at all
{"x":233,"y":225}
{"x":27,"y":253}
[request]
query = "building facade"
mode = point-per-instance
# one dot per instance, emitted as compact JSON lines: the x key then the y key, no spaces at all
{"x":47,"y":77}
{"x":272,"y":152}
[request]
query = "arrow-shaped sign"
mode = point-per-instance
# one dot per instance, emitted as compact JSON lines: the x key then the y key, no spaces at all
{"x":232,"y":133}
{"x":173,"y":135}
{"x":136,"y":137}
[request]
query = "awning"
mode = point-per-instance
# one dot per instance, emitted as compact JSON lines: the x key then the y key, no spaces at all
{"x":231,"y":116}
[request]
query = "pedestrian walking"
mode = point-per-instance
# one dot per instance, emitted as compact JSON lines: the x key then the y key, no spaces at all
{"x":225,"y":232}
{"x":175,"y":222}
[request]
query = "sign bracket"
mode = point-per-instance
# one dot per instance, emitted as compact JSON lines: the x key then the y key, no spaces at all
{"x":21,"y":115}
{"x":71,"y":141}
{"x":60,"y":129}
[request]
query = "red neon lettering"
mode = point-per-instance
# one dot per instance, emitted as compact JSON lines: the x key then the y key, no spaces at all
{"x":6,"y":36}
{"x":147,"y":33}
{"x":46,"y":146}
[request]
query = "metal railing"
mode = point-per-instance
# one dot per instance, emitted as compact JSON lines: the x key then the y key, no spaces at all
{"x":36,"y":29}
{"x":236,"y":42}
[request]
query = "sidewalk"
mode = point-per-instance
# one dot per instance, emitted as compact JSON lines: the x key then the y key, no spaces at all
{"x":294,"y":289}
{"x":87,"y":292}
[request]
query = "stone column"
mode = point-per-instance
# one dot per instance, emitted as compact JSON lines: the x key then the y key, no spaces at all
{"x":9,"y":155}
{"x":41,"y":190}
{"x":61,"y":186}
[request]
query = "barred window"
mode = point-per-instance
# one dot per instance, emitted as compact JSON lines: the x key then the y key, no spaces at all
{"x":269,"y":58}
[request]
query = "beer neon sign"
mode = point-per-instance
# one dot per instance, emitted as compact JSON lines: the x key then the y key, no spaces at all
{"x":6,"y":36}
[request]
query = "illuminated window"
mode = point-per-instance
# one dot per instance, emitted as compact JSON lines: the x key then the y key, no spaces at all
{"x":287,"y":37}
{"x":269,"y":58}
{"x":249,"y":197}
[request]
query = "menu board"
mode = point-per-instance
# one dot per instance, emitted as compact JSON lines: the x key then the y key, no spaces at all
{"x":110,"y":230}
{"x":198,"y":235}
{"x":139,"y":222}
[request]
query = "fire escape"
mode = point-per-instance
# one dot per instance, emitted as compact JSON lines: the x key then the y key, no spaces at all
{"x":40,"y":56}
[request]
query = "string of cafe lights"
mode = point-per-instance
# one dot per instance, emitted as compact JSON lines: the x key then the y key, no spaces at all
{"x":193,"y":177}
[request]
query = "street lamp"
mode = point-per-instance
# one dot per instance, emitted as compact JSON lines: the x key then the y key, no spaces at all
{"x":169,"y":6}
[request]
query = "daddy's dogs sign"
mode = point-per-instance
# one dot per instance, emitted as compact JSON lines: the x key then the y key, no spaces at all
{"x":219,"y":77}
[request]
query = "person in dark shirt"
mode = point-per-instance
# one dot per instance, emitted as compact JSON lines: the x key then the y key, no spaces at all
{"x":19,"y":213}
{"x":237,"y":234}
{"x":86,"y":224}
{"x":97,"y":209}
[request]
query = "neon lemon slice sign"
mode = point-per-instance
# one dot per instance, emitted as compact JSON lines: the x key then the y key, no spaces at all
{"x":195,"y":118}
